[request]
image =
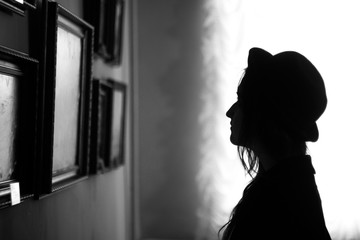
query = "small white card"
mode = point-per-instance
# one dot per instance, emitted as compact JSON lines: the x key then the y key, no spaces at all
{"x":20,"y":1}
{"x":15,"y":193}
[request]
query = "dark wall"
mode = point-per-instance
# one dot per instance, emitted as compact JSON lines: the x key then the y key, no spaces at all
{"x":14,"y":31}
{"x":75,"y":6}
{"x":92,"y":209}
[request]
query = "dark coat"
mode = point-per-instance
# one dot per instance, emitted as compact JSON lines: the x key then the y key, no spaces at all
{"x":283,"y":203}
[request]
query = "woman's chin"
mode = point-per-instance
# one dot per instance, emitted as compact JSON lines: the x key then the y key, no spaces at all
{"x":237,"y":141}
{"x":234,"y":140}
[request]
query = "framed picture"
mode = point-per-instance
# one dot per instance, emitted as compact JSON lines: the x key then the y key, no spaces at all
{"x":95,"y":14}
{"x":107,"y":18}
{"x":18,"y":113}
{"x":108,"y":124}
{"x":115,"y":14}
{"x":117,"y":135}
{"x":17,"y":6}
{"x":67,"y":98}
{"x":100,"y":127}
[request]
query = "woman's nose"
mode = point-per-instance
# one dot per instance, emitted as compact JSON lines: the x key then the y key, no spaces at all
{"x":230,"y":112}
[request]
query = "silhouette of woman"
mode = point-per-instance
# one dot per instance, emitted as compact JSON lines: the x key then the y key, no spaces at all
{"x":280,"y":97}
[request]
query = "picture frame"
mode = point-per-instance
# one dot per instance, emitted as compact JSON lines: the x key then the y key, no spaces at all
{"x":107,"y":17}
{"x":18,"y":119}
{"x":118,"y":120}
{"x":67,"y":99}
{"x":18,"y":6}
{"x":95,"y":14}
{"x":30,"y":3}
{"x":114,"y":33}
{"x":100,"y":127}
{"x":108,"y":125}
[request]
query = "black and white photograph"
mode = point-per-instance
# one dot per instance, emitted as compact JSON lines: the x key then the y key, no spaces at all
{"x":179,"y":120}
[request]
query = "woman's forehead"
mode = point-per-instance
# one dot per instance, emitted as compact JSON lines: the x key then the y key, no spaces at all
{"x":242,"y":78}
{"x":240,"y":91}
{"x":240,"y":87}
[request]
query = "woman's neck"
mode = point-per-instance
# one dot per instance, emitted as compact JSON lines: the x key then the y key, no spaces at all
{"x":268,"y":161}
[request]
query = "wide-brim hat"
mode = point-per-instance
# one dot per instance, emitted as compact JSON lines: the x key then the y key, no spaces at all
{"x":290,"y":84}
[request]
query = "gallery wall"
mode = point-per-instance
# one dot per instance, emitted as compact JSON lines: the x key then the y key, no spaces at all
{"x":94,"y":208}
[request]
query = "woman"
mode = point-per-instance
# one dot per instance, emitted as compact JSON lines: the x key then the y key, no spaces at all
{"x":280,"y":98}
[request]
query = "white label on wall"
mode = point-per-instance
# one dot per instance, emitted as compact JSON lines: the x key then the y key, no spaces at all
{"x":15,"y":193}
{"x":20,"y":1}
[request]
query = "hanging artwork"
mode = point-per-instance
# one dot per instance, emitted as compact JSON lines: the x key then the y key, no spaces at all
{"x":107,"y":17}
{"x":67,"y":97}
{"x":108,"y":125}
{"x":100,"y":127}
{"x":18,"y":106}
{"x":116,"y":155}
{"x":114,"y":33}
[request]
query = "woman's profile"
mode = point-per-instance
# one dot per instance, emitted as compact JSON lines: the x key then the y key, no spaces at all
{"x":280,"y":98}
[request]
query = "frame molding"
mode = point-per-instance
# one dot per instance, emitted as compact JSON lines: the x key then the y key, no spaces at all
{"x":102,"y":132}
{"x":17,"y":7}
{"x":58,"y":17}
{"x":118,"y":94}
{"x":24,"y":70}
{"x":100,"y":127}
{"x":107,"y":16}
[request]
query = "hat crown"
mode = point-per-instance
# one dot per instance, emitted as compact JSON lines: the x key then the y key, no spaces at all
{"x":289,"y":82}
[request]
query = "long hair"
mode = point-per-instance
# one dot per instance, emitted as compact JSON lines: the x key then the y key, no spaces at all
{"x":250,"y":163}
{"x":249,"y":160}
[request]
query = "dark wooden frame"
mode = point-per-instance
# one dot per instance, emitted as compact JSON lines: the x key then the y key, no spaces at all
{"x":95,"y":14}
{"x":104,"y":92}
{"x":60,"y":17}
{"x":100,"y":127}
{"x":30,"y":3}
{"x":25,"y":70}
{"x":107,"y":17}
{"x":16,"y":7}
{"x":114,"y":34}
